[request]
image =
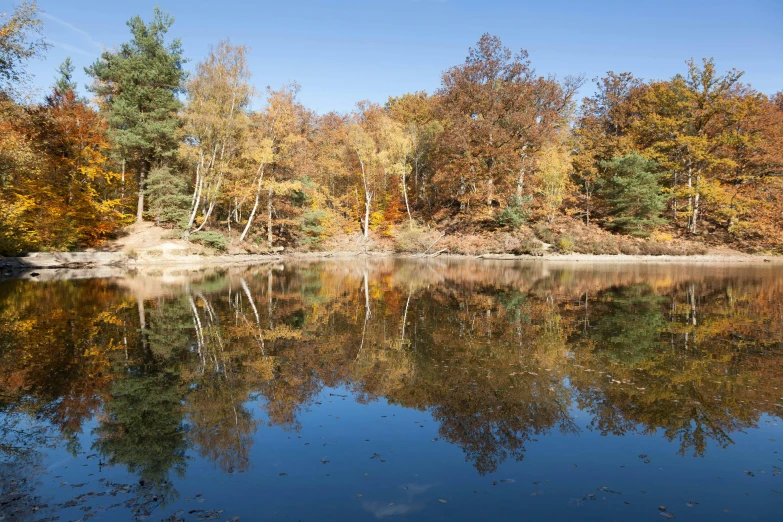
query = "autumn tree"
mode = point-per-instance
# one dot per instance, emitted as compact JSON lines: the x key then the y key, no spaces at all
{"x":416,"y":112}
{"x":379,"y":149}
{"x":497,"y":114}
{"x":277,"y":137}
{"x":216,"y":122}
{"x":602,"y":131}
{"x":20,"y":41}
{"x":137,"y":87}
{"x":683,"y":125}
{"x":552,"y":179}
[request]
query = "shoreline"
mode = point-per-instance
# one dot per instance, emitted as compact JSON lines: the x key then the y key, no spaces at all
{"x":121,"y":260}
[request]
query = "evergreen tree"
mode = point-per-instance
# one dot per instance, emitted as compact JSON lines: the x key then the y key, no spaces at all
{"x":168,"y":200}
{"x":633,"y":195}
{"x":137,"y":88}
{"x":65,"y":81}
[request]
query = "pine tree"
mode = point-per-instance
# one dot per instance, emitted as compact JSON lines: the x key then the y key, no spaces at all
{"x":633,"y":195}
{"x":137,"y":88}
{"x":65,"y":82}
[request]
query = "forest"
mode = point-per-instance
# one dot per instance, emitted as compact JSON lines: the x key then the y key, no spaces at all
{"x":500,"y":158}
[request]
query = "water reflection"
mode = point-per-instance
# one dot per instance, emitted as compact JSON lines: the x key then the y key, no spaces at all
{"x":149,"y":367}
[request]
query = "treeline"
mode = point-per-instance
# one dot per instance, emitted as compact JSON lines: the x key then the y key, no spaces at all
{"x":497,"y":151}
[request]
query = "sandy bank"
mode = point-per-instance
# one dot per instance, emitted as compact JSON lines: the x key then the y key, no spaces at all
{"x":123,"y":260}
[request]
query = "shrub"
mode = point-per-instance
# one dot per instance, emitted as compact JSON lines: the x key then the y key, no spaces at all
{"x":565,"y":245}
{"x":313,"y":226}
{"x":516,"y":213}
{"x":211,"y":239}
{"x":414,"y":240}
{"x":544,"y":233}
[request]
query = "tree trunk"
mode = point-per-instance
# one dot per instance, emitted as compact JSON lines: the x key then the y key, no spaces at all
{"x":140,"y":205}
{"x":587,"y":202}
{"x":690,"y":201}
{"x":269,"y":237}
{"x":696,"y":205}
{"x":490,"y":191}
{"x":520,"y":184}
{"x":196,"y":199}
{"x":142,"y":322}
{"x":367,"y":201}
{"x":260,"y":175}
{"x":405,"y":194}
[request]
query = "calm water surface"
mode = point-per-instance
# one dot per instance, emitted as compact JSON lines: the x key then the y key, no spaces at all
{"x":394,"y":390}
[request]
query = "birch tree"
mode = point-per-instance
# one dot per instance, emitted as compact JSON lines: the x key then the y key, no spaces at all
{"x":216,"y":123}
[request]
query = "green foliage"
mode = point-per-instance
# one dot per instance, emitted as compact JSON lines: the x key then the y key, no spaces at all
{"x":630,"y":330}
{"x":313,"y":226}
{"x":143,"y":429}
{"x":137,"y":87}
{"x":65,"y":80}
{"x":211,"y":239}
{"x":169,"y":200}
{"x":633,"y":195}
{"x":516,"y":213}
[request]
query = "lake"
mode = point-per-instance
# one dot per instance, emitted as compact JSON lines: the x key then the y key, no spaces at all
{"x":394,"y":389}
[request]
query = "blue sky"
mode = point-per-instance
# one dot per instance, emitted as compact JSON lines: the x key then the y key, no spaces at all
{"x":341,"y":52}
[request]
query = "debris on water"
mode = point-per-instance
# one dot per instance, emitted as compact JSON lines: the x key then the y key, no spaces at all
{"x":442,"y":501}
{"x":661,"y":508}
{"x":282,"y":474}
{"x":507,"y":481}
{"x":325,"y":461}
{"x":358,"y":495}
{"x":375,"y":456}
{"x":667,"y":516}
{"x":749,"y":473}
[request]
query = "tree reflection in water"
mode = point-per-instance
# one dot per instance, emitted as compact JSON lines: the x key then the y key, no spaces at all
{"x":497,"y":353}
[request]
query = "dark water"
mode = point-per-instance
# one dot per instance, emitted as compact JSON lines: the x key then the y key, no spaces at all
{"x":394,"y":390}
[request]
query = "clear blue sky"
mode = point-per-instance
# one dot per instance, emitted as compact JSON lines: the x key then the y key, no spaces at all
{"x":341,"y":52}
